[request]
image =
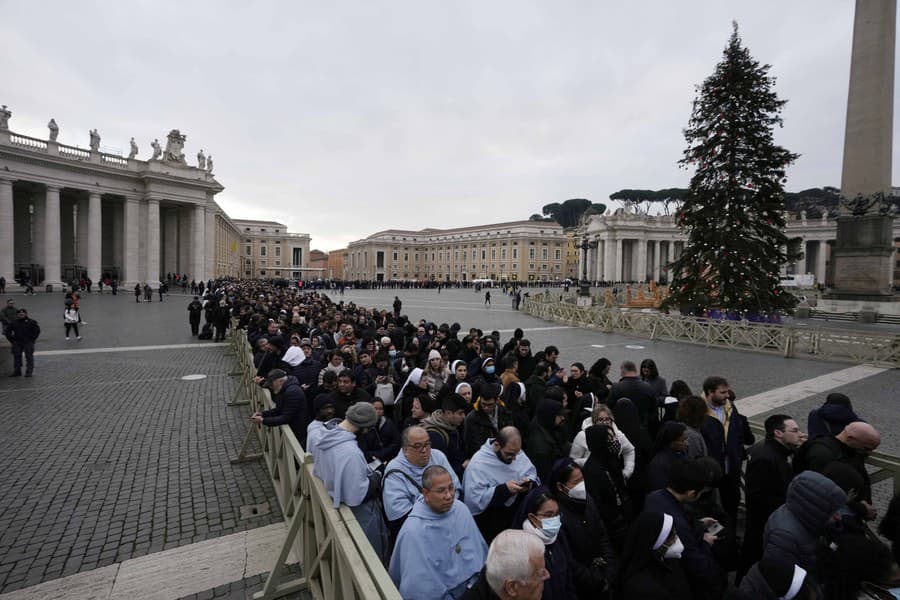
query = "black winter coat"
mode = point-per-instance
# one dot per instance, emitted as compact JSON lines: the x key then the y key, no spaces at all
{"x":642,"y":396}
{"x":478,"y":429}
{"x":659,"y":580}
{"x":290,"y":409}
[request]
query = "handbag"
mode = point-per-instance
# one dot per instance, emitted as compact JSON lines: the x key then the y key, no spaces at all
{"x":385,"y":392}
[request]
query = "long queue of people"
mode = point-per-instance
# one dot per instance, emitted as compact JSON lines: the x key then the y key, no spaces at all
{"x":479,"y":469}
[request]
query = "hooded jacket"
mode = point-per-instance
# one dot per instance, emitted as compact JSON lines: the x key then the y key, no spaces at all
{"x":793,"y":529}
{"x":545,"y":441}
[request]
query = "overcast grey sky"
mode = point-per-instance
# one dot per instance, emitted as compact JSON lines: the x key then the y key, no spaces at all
{"x":344,"y":118}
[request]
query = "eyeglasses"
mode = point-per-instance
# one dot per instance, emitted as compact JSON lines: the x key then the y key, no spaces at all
{"x":546,"y":515}
{"x":604,"y":420}
{"x":420,"y":447}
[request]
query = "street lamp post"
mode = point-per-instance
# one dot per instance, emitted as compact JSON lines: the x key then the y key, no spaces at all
{"x":584,"y":287}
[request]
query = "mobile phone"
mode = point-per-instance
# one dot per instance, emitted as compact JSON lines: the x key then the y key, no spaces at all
{"x":715,"y":528}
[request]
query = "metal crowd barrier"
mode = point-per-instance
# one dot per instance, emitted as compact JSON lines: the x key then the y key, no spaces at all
{"x":337,"y":560}
{"x":790,"y":342}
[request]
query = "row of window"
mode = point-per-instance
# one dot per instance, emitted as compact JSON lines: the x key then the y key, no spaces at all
{"x":545,"y":254}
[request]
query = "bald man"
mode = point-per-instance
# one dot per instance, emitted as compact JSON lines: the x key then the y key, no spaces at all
{"x":498,"y":477}
{"x":851,"y":446}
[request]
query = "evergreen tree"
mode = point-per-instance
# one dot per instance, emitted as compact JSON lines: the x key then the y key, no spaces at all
{"x":733,"y":214}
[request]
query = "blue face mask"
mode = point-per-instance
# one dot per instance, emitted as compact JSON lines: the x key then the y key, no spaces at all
{"x":551,"y":525}
{"x":489,"y":370}
{"x":392,"y":353}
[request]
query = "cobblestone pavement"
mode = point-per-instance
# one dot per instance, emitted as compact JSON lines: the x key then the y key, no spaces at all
{"x":110,"y":455}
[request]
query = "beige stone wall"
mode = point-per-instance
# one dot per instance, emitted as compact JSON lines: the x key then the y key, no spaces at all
{"x":518,"y":251}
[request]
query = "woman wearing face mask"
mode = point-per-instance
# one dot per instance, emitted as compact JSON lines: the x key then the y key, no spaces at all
{"x":670,"y":448}
{"x":605,"y":483}
{"x":582,"y":524}
{"x":539,"y":514}
{"x":649,"y":566}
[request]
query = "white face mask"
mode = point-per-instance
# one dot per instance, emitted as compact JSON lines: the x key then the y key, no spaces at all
{"x":578,"y":492}
{"x":675,"y":550}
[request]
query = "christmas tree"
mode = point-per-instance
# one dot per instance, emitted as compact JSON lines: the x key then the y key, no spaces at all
{"x":733,"y":214}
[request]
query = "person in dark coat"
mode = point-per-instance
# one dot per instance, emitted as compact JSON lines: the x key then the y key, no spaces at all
{"x":851,"y":446}
{"x":831,"y":417}
{"x":546,"y":441}
{"x":670,"y":447}
{"x":640,"y":393}
{"x":793,"y":530}
{"x":650,"y":566}
{"x":536,"y":386}
{"x":687,"y":481}
{"x":582,"y":525}
{"x":347,"y":393}
{"x":628,"y":422}
{"x":725,"y":432}
{"x":290,"y":405}
{"x":444,"y":429}
{"x":307,"y":372}
{"x":222,"y":318}
{"x":604,"y":482}
{"x":766,"y":480}
{"x":583,"y":391}
{"x":526,"y":359}
{"x":650,"y":375}
{"x":195,"y":310}
{"x":538,"y":514}
{"x":485,"y":421}
{"x":381,"y":441}
{"x":778,"y":580}
{"x":22,"y":333}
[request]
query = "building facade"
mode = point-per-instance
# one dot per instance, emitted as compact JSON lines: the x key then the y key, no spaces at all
{"x":637,"y":247}
{"x":335,"y":266}
{"x":267,"y":250}
{"x":66,"y":212}
{"x":516,"y":251}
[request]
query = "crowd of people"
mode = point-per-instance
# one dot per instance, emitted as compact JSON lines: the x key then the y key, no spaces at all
{"x":481,"y":468}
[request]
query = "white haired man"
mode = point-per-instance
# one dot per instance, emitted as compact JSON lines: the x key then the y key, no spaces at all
{"x":514,"y":570}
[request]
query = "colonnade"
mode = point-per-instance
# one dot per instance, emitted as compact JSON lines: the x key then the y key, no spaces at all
{"x":57,"y":233}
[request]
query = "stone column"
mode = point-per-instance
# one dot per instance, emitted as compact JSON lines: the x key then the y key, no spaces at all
{"x":52,"y":233}
{"x":657,"y":268}
{"x":601,"y":260}
{"x":821,"y":258}
{"x":199,"y":236}
{"x":152,"y":276}
{"x":618,"y":260}
{"x":170,"y":250}
{"x":94,"y":239}
{"x":641,"y":273}
{"x":609,"y":262}
{"x":82,"y":235}
{"x":210,"y":240}
{"x":184,"y":241}
{"x":131,"y":242}
{"x":7,"y":233}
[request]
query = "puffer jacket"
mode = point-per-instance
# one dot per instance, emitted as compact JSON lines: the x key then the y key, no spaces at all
{"x":793,"y":529}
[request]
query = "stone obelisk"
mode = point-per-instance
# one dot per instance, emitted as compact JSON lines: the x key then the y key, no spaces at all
{"x":864,"y":247}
